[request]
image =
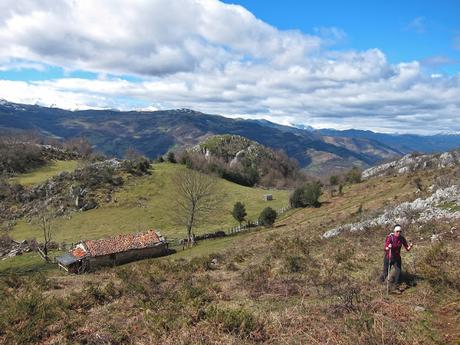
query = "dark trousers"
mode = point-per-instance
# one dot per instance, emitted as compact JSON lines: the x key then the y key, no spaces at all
{"x":395,"y":264}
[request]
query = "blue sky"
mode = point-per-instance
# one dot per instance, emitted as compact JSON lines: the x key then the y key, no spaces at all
{"x":405,"y":30}
{"x":389,"y":66}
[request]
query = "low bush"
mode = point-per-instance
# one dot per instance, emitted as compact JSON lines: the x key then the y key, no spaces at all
{"x":25,"y":317}
{"x":306,"y":196}
{"x":441,"y":267}
{"x":354,"y":175}
{"x":267,"y":217}
{"x":237,"y":321}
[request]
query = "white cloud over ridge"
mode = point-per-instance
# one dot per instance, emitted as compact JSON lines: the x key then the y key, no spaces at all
{"x":215,"y":58}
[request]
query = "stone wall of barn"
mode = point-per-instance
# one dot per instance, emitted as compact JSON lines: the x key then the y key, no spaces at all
{"x":128,"y":256}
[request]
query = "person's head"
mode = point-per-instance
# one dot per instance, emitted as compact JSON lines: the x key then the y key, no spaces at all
{"x":397,"y":230}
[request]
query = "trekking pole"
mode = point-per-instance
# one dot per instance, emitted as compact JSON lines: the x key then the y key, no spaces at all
{"x":389,"y":269}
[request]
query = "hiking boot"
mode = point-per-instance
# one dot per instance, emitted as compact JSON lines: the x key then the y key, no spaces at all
{"x":402,"y":287}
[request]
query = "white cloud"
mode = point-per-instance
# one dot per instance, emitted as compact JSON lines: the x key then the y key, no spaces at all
{"x":147,"y":38}
{"x":216,"y":58}
{"x":417,"y":25}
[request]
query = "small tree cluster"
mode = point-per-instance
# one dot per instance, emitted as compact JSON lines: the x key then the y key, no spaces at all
{"x":135,"y":163}
{"x":80,"y":145}
{"x":306,"y":196}
{"x":354,"y":175}
{"x":274,"y":170}
{"x":19,"y":157}
{"x":171,"y":157}
{"x":267,"y":217}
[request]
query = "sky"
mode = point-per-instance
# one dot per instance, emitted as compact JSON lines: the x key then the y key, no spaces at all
{"x":387,"y":66}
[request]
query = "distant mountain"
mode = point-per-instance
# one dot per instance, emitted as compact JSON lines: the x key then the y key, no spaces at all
{"x":405,"y":143}
{"x":304,"y":127}
{"x":155,"y":132}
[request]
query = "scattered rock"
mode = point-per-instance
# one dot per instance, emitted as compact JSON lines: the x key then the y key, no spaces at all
{"x":419,"y":210}
{"x":13,"y":248}
{"x":413,"y":162}
{"x":89,"y":205}
{"x":419,"y":308}
{"x":435,"y":238}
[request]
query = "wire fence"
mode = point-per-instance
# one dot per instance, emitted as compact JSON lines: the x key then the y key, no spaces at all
{"x":223,"y":232}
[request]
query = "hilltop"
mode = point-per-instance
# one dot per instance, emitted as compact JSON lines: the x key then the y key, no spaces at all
{"x":244,"y":161}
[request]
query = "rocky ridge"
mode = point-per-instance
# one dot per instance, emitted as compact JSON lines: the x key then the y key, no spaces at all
{"x":414,"y":162}
{"x":442,"y":204}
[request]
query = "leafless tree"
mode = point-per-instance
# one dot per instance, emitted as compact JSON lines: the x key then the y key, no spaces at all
{"x":80,"y":145}
{"x":45,"y":215}
{"x":196,"y":197}
{"x":46,"y":223}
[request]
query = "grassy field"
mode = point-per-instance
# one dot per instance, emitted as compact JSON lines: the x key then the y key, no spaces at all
{"x":42,"y":174}
{"x":147,"y":202}
{"x":25,"y":264}
{"x":279,"y":285}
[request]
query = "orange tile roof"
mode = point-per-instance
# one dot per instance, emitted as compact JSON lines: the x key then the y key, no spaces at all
{"x":78,"y":252}
{"x":122,"y":243}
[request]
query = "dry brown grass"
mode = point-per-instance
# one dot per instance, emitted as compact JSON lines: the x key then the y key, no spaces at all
{"x":283,"y":285}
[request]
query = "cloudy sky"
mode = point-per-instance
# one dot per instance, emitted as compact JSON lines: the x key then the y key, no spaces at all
{"x":376,"y":65}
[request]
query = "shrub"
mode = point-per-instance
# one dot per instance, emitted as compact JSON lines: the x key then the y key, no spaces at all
{"x":418,"y":183}
{"x":171,"y":157}
{"x":297,"y":198}
{"x":334,"y":180}
{"x":307,"y":195}
{"x":137,"y":167}
{"x":19,"y":157}
{"x":296,"y":264}
{"x":239,"y":212}
{"x":25,"y":318}
{"x":354,"y":175}
{"x":440,"y":267}
{"x":267,"y":216}
{"x":237,"y":321}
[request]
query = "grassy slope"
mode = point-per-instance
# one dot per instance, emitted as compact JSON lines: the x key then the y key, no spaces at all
{"x":290,"y":307}
{"x":147,"y":202}
{"x":45,"y":172}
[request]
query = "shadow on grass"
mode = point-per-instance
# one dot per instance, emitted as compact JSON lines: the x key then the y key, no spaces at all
{"x":409,"y":278}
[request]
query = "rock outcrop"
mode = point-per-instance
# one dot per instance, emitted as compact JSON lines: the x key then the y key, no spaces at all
{"x":414,"y":162}
{"x":442,"y":204}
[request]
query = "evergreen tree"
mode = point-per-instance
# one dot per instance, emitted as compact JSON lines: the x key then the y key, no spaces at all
{"x":239,"y":212}
{"x":267,"y":217}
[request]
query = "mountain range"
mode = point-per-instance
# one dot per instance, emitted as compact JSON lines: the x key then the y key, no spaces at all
{"x":153,"y":133}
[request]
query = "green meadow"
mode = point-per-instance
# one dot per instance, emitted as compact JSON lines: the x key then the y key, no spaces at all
{"x":42,"y":174}
{"x":147,"y":202}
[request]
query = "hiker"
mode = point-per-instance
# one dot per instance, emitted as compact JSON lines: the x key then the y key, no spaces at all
{"x":392,"y":258}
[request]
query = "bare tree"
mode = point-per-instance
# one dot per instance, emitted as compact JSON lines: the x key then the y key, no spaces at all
{"x":45,"y":216}
{"x":46,"y":223}
{"x":80,"y":145}
{"x":196,"y":197}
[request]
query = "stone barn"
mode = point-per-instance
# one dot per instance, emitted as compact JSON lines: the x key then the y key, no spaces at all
{"x":91,"y":254}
